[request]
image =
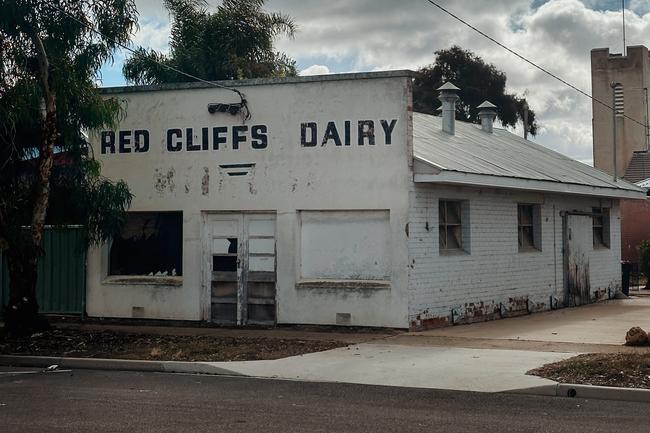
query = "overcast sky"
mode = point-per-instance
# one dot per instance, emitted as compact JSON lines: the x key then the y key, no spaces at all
{"x":368,"y":35}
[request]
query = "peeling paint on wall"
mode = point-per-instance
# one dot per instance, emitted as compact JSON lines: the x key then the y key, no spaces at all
{"x":164,"y":180}
{"x":205,"y":181}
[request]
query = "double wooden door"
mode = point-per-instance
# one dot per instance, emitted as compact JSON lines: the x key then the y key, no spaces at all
{"x":242,"y":268}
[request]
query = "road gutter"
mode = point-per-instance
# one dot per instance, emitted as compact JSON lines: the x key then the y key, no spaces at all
{"x":115,"y":364}
{"x":587,"y":392}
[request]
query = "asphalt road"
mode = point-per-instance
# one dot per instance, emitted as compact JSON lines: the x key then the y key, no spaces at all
{"x":99,"y":401}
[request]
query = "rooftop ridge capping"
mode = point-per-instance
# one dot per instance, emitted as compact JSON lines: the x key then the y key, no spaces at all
{"x":259,"y":81}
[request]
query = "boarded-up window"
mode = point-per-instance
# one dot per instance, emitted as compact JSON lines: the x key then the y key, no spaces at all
{"x":529,"y":227}
{"x":601,"y":227}
{"x":450,"y":214}
{"x":151,"y":243}
{"x":345,"y":245}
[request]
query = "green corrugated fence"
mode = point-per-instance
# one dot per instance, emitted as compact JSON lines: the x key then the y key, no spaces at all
{"x":61,"y":284}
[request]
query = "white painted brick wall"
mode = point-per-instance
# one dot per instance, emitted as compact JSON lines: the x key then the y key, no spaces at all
{"x":494,"y":270}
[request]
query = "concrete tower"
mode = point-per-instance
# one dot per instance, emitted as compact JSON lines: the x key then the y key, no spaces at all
{"x":628,"y":77}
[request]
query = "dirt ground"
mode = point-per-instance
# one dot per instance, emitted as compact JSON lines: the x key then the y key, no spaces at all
{"x":629,"y":370}
{"x":111,"y":344}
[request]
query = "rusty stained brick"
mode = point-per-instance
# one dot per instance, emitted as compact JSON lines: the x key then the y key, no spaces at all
{"x":421,"y":323}
{"x":473,"y":312}
{"x":478,"y":312}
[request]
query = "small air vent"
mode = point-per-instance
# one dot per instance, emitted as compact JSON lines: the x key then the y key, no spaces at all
{"x":237,"y":170}
{"x":137,"y":312}
{"x":619,"y":100}
{"x":343,"y":318}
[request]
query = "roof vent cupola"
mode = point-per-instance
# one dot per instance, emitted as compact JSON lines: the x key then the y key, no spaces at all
{"x":448,"y":97}
{"x":487,"y":114}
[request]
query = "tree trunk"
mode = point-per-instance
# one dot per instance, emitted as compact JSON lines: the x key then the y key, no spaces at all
{"x":22,"y":312}
{"x":21,"y":316}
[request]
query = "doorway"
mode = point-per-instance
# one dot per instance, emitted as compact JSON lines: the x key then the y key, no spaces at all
{"x":577,"y":237}
{"x":242,"y":264}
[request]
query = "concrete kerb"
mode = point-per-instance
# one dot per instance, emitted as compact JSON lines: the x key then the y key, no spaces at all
{"x":587,"y":392}
{"x":115,"y":364}
{"x":556,"y":390}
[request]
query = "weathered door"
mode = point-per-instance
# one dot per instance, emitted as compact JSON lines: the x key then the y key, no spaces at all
{"x":242,"y":268}
{"x":577,"y":243}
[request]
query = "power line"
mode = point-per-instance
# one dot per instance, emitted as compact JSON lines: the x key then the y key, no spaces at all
{"x":530,"y":62}
{"x":92,"y":28}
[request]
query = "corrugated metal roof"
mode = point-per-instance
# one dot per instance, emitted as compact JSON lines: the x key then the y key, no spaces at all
{"x":502,"y":154}
{"x":639,"y":167}
{"x":645,"y":183}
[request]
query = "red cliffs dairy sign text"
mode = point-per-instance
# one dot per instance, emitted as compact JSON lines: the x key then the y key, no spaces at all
{"x":311,"y":134}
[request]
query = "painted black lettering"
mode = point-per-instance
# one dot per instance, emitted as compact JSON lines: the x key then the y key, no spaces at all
{"x":366,"y":129}
{"x":347,"y":132}
{"x":331,"y":133}
{"x":174,"y":145}
{"x":237,"y":136}
{"x":124,"y":141}
{"x":388,"y":129}
{"x":141,"y":139}
{"x":108,"y":142}
{"x":303,"y":134}
{"x":259,"y":137}
{"x":189,"y":140}
{"x":218,"y":137}
{"x":205,"y":138}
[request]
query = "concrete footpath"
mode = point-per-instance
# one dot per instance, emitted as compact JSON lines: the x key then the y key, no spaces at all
{"x":482,"y":370}
{"x":484,"y":357}
{"x":451,"y":368}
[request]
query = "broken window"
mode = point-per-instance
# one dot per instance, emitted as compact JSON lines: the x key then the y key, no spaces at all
{"x":600,"y":220}
{"x":225,"y":259}
{"x":529,"y":227}
{"x":151,"y":243}
{"x":450,"y":225}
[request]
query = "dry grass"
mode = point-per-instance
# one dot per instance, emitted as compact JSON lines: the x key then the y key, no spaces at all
{"x":630,"y":370}
{"x":109,"y":344}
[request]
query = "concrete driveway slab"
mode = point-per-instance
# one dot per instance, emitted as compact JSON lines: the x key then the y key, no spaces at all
{"x":454,"y":368}
{"x":600,"y":323}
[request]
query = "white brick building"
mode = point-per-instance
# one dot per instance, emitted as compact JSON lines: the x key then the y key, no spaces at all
{"x":335,"y":204}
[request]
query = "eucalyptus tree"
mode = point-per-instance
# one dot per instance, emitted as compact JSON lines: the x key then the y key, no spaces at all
{"x":236,"y":41}
{"x":50,"y":54}
{"x":478,"y":81}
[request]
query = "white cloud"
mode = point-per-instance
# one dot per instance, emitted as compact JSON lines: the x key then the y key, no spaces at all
{"x":384,"y":34}
{"x":153,"y":34}
{"x":557,"y":35}
{"x":315,"y":70}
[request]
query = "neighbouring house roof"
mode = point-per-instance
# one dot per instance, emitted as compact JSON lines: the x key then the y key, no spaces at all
{"x":645,"y":183}
{"x":639,"y":167}
{"x":503,"y":159}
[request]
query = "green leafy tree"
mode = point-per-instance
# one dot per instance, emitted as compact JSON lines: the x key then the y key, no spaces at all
{"x":50,"y":58}
{"x":235,"y":42}
{"x":478,"y":81}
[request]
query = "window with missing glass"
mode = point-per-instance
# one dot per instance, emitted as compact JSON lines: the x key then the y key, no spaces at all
{"x":151,"y":244}
{"x":526,"y":227}
{"x":600,"y":220}
{"x":451,"y":225}
{"x":529,"y":227}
